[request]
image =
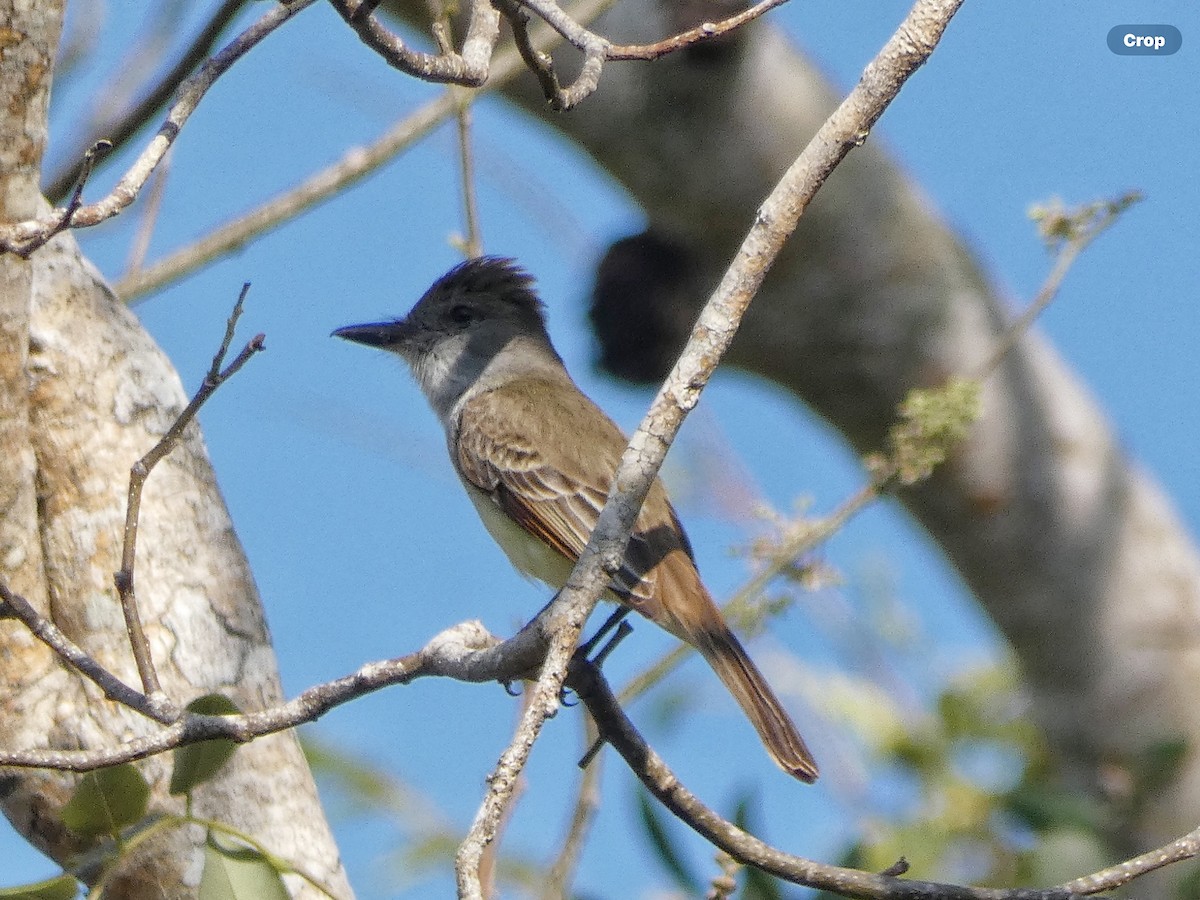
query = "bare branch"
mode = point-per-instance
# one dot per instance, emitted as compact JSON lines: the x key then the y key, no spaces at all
{"x":597,"y":50}
{"x":587,"y":803}
{"x":590,"y":686}
{"x":473,"y":241}
{"x":17,"y":607}
{"x":120,"y":129}
{"x":700,"y":33}
{"x":140,"y":245}
{"x":1186,"y":847}
{"x":137,"y":480}
{"x":94,"y":153}
{"x":594,"y":47}
{"x":15,"y":236}
{"x":616,"y":729}
{"x":469,"y":68}
{"x":471,"y":244}
{"x":465,"y":652}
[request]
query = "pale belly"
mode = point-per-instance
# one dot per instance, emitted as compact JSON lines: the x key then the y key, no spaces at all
{"x":528,"y":555}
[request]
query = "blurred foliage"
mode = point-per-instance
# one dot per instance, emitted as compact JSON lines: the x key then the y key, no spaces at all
{"x":1059,"y":224}
{"x":988,"y":809}
{"x":423,"y":840}
{"x":933,"y":421}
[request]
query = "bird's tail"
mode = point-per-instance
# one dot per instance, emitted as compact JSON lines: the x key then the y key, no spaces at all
{"x":702,"y":625}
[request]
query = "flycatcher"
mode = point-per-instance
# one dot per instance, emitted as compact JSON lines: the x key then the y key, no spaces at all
{"x":537,"y":458}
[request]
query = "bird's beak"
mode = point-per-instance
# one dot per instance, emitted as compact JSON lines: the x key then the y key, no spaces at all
{"x":385,"y":335}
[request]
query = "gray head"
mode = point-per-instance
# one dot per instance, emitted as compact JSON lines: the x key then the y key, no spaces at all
{"x":460,"y":325}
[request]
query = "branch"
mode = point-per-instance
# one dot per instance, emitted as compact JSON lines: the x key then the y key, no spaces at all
{"x":597,"y":49}
{"x":17,"y":607}
{"x":615,"y":728}
{"x":119,"y":129}
{"x":557,"y":882}
{"x":542,"y":65}
{"x":468,"y":68}
{"x":470,"y":244}
{"x":62,"y":222}
{"x":14,"y":237}
{"x":465,"y":652}
{"x":468,"y":652}
{"x":1069,"y":233}
{"x":137,"y":480}
{"x":703,"y":32}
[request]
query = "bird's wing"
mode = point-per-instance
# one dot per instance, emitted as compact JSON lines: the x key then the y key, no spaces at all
{"x":510,"y":445}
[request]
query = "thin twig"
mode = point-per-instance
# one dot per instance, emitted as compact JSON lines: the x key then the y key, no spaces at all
{"x":583,"y":813}
{"x":468,"y":68}
{"x":140,"y":245}
{"x":471,"y":244}
{"x":17,"y":235}
{"x":780,"y":559}
{"x":1186,"y":847}
{"x":16,"y":606}
{"x":466,"y":652}
{"x":597,"y":49}
{"x":124,"y":578}
{"x":489,"y":864}
{"x":94,"y":153}
{"x":538,"y":62}
{"x":703,"y":32}
{"x":1080,"y":237}
{"x":121,"y":128}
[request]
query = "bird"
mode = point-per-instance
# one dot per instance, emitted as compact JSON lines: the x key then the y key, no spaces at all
{"x":537,"y":458}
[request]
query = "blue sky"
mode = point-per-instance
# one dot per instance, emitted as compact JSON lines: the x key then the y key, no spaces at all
{"x":334,"y":469}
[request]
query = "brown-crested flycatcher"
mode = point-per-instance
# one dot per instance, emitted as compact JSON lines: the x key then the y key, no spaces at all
{"x":537,"y":458}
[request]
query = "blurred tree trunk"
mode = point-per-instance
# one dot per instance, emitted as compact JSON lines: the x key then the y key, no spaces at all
{"x":1069,"y":546}
{"x":84,"y":393}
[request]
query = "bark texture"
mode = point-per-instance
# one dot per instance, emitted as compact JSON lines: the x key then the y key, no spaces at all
{"x":84,"y":393}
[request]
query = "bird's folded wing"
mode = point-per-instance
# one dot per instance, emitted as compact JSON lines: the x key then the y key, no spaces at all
{"x":554,"y":500}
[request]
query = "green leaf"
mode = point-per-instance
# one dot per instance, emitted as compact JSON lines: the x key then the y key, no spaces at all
{"x":664,"y":847}
{"x":1157,"y":767}
{"x":239,"y":873}
{"x":197,"y":763}
{"x":64,"y":887}
{"x":107,"y":800}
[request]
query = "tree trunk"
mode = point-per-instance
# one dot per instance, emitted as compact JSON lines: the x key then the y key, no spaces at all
{"x":84,"y":393}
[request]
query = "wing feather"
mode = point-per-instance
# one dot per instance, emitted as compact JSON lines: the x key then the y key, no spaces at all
{"x":510,"y":445}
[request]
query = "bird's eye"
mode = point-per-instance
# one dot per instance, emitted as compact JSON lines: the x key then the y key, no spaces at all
{"x":461,"y":314}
